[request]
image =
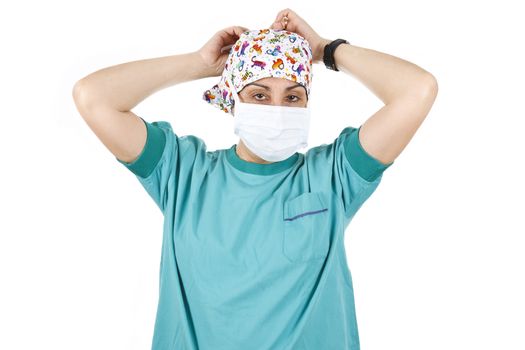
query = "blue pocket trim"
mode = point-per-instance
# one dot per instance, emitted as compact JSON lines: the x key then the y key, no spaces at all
{"x":307,"y":213}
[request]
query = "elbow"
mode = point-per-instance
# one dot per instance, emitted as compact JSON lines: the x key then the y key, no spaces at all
{"x":424,"y":89}
{"x":79,"y":90}
{"x":432,"y":83}
{"x":82,"y":95}
{"x":429,"y":86}
{"x":76,"y":92}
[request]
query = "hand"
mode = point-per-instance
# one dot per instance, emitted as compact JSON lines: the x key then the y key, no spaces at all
{"x":215,"y":52}
{"x":298,"y":25}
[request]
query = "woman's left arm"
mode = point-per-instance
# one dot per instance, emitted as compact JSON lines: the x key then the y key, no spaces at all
{"x":407,"y":90}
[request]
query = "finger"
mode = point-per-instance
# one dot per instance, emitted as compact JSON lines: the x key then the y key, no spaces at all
{"x":284,"y":13}
{"x":279,"y":15}
{"x":279,"y":19}
{"x":277,"y":26}
{"x":236,"y":30}
{"x":226,"y":48}
{"x":285,"y":22}
{"x":232,"y":34}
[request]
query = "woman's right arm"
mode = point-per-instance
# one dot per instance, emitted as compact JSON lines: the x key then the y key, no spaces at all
{"x":105,"y":98}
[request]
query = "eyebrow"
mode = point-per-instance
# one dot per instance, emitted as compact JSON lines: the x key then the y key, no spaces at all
{"x":268,"y":88}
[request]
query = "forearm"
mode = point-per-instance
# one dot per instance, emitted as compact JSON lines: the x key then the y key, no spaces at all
{"x":125,"y":85}
{"x":387,"y":76}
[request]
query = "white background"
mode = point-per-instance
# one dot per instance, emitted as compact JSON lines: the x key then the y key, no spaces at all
{"x":436,"y":253}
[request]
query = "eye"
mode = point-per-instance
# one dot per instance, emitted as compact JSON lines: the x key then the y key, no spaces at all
{"x":291,"y":98}
{"x":297,"y":98}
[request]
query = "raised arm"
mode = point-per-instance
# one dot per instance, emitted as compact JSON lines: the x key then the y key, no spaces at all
{"x":407,"y":91}
{"x":105,"y":98}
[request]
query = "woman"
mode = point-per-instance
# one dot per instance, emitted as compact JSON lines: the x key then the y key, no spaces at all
{"x":253,"y":244}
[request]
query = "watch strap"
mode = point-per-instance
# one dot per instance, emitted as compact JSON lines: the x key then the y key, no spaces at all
{"x":329,"y":49}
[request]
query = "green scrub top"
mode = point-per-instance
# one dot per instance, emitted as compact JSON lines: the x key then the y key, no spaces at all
{"x":253,"y":255}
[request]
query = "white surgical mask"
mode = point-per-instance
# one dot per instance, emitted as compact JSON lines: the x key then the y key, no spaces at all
{"x":273,"y":133}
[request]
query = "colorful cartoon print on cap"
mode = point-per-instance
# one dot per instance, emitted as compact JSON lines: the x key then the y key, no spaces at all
{"x":261,"y":54}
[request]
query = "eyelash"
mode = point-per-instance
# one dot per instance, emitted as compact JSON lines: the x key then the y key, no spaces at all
{"x":297,"y":97}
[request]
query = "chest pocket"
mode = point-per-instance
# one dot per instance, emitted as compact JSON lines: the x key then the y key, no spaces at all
{"x":305,"y":234}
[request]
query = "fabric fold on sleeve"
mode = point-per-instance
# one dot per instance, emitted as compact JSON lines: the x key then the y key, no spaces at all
{"x":367,"y":166}
{"x":151,"y":152}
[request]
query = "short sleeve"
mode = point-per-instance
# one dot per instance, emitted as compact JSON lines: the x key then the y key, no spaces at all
{"x":351,"y":174}
{"x":151,"y":153}
{"x":164,"y":159}
{"x":356,"y":173}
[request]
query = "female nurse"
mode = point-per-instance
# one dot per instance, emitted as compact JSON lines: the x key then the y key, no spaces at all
{"x":253,"y":250}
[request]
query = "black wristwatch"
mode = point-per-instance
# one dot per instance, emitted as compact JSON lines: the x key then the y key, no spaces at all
{"x":329,"y":49}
